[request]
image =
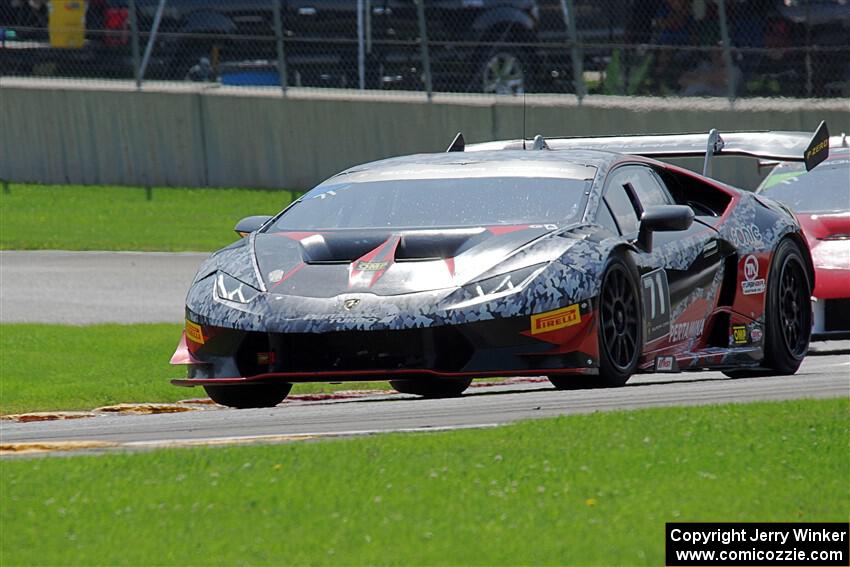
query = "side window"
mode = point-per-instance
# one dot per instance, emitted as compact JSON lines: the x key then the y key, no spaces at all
{"x":622,"y":208}
{"x":631,"y":189}
{"x":604,"y":217}
{"x":649,"y":188}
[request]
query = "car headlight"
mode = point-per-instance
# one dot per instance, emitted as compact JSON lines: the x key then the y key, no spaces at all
{"x":504,"y":283}
{"x":228,"y":288}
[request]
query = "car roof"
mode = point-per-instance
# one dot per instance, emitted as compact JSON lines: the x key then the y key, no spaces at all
{"x":571,"y":164}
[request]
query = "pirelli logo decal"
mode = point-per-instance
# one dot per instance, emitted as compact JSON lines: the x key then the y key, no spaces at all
{"x":554,"y":320}
{"x":194,"y":332}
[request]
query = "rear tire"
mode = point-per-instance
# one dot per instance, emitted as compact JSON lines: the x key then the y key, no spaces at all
{"x":620,"y":330}
{"x":788,"y":317}
{"x":433,"y":388}
{"x":249,"y":396}
{"x":788,"y":314}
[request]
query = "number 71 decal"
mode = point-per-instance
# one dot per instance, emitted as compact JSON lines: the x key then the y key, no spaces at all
{"x":656,"y":304}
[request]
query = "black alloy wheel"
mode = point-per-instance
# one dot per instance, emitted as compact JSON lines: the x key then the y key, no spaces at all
{"x":788,"y":314}
{"x":620,"y":330}
{"x":788,"y":310}
{"x":794,"y":308}
{"x":618,"y":317}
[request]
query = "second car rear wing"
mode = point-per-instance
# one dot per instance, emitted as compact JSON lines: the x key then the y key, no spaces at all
{"x":780,"y":146}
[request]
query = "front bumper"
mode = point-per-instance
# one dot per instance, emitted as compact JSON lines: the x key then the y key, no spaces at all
{"x":499,"y":347}
{"x":831,"y":319}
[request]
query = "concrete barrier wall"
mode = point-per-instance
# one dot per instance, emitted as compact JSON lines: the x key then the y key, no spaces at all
{"x":185,"y":135}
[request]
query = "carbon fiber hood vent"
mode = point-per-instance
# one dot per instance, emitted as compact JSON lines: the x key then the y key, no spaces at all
{"x":382,"y":262}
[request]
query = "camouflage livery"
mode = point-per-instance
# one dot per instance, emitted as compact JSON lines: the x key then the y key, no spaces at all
{"x":377,"y":310}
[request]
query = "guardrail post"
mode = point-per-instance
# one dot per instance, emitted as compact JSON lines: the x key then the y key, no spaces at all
{"x":281,"y":55}
{"x":575,"y":50}
{"x":727,"y":51}
{"x":134,"y":40}
{"x":423,"y":47}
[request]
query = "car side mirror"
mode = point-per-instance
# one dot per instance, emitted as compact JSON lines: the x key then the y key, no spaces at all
{"x":665,"y":218}
{"x":251,"y":224}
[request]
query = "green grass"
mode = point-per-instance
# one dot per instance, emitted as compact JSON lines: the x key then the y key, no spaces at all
{"x":51,"y":367}
{"x":47,"y":367}
{"x":583,"y":490}
{"x":122,"y":218}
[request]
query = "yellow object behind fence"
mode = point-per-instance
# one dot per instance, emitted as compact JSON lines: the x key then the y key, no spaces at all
{"x":67,"y":23}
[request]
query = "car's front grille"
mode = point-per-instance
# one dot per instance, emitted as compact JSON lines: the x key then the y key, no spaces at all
{"x":442,"y":349}
{"x":837,"y":315}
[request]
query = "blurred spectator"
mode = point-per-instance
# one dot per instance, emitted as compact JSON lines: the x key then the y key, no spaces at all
{"x":638,"y":27}
{"x":674,"y":26}
{"x":202,"y":72}
{"x":747,"y":21}
{"x":674,"y":23}
{"x":710,"y":78}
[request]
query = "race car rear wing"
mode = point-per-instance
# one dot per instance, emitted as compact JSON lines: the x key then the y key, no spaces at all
{"x":779,"y":146}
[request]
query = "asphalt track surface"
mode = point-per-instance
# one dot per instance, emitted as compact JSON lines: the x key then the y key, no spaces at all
{"x":826,"y":375}
{"x":823,"y":376}
{"x":80,"y":288}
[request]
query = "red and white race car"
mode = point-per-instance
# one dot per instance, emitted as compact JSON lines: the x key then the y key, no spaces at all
{"x":820,"y":198}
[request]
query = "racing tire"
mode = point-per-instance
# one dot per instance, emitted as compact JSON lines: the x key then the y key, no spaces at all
{"x":789,"y":310}
{"x":620,"y":329}
{"x":788,"y":314}
{"x":249,"y":396}
{"x":432,"y":388}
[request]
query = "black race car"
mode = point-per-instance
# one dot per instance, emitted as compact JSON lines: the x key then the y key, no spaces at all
{"x":509,"y":258}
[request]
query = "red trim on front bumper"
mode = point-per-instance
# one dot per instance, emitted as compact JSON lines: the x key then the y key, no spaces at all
{"x":372,"y":375}
{"x":182,"y":355}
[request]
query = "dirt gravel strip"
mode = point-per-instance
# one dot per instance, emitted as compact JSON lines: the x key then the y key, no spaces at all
{"x":123,"y":409}
{"x":46,"y":416}
{"x":7,"y":449}
{"x":206,"y":403}
{"x":820,"y":377}
{"x":30,"y":449}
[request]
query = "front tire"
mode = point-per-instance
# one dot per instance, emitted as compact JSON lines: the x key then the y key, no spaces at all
{"x":620,"y":330}
{"x":432,"y":388}
{"x":249,"y":396}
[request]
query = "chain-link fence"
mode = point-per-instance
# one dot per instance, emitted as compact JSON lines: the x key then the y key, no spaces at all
{"x":728,"y":48}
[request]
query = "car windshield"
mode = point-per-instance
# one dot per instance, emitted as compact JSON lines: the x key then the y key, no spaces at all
{"x":825,"y":188}
{"x":425,"y":203}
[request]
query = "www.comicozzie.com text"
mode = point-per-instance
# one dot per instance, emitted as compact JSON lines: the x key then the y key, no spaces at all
{"x":727,"y":536}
